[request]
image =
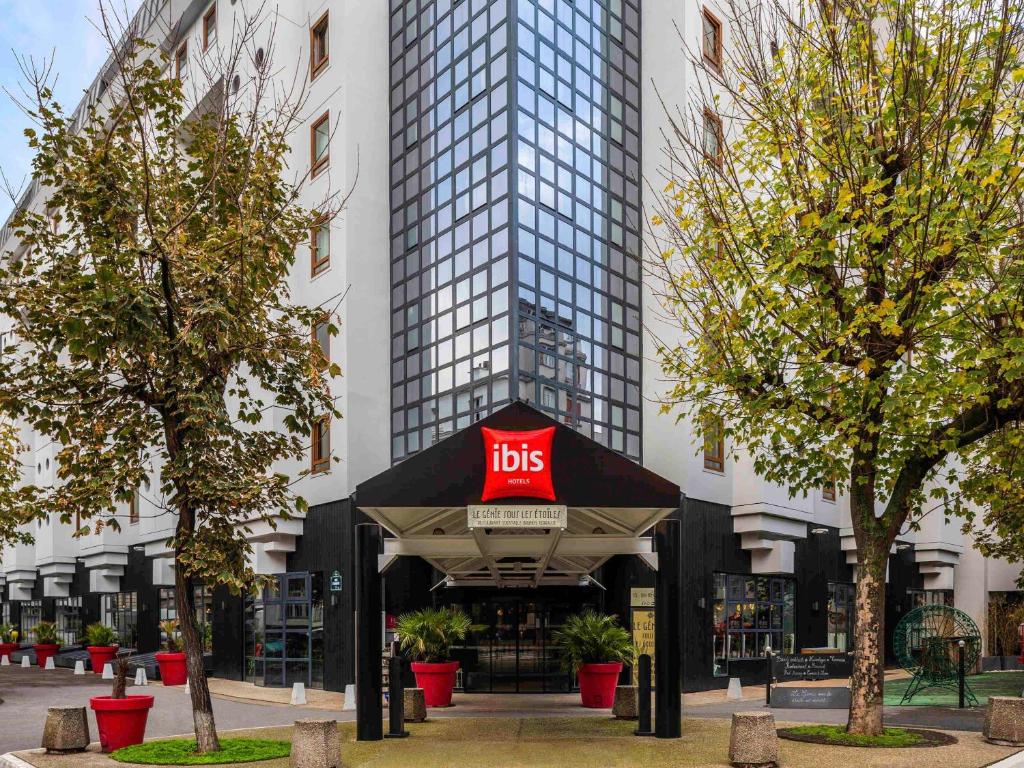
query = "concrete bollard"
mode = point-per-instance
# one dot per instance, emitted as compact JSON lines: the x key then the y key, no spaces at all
{"x":753,"y":742}
{"x":298,"y":694}
{"x":79,"y":667}
{"x":624,"y":706}
{"x":1004,"y":721}
{"x":350,"y":698}
{"x":49,"y":663}
{"x":140,"y":676}
{"x":735,"y":691}
{"x":415,"y":705}
{"x":108,"y":671}
{"x":66,"y":730}
{"x":315,"y":744}
{"x":25,"y":663}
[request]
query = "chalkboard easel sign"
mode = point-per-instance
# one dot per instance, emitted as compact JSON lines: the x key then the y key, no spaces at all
{"x":811,"y":666}
{"x":824,"y":697}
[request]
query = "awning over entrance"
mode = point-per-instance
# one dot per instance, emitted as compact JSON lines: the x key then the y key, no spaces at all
{"x":605,"y":502}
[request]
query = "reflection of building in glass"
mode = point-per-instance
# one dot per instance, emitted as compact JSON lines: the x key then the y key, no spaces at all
{"x":515,"y":215}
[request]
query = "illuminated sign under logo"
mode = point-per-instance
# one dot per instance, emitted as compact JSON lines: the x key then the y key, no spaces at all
{"x":518,"y":464}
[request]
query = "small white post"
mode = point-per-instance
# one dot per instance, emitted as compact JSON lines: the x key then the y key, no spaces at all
{"x":79,"y":667}
{"x":735,"y":691}
{"x":25,"y":663}
{"x":298,"y":694}
{"x":50,"y":664}
{"x":108,"y":671}
{"x":350,"y":698}
{"x":140,"y":676}
{"x":188,"y":688}
{"x":5,"y":661}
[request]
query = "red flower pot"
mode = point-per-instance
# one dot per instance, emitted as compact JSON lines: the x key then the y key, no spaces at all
{"x":101,"y":655}
{"x":121,"y":722}
{"x":172,"y":668}
{"x":437,"y":681}
{"x":597,"y":684}
{"x":45,"y":651}
{"x":6,"y":649}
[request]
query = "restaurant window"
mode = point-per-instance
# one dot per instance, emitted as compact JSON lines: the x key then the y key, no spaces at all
{"x":320,"y":144}
{"x":749,"y":613}
{"x":210,"y":26}
{"x":120,"y":612}
{"x":31,"y":614}
{"x":711,"y":142}
{"x":714,"y":444}
{"x":712,"y":39}
{"x":69,"y":620}
{"x":919,"y":597}
{"x":322,"y":444}
{"x":841,"y":598}
{"x":181,"y":62}
{"x":318,"y":46}
{"x":320,"y":247}
{"x":168,"y":609}
{"x":322,"y":343}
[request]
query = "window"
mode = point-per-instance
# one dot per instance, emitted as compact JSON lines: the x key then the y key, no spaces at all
{"x":711,"y":43}
{"x":320,"y":247}
{"x":711,"y":143}
{"x":210,"y":26}
{"x":318,"y":47}
{"x":322,"y":444}
{"x":749,"y":614}
{"x":547,"y":397}
{"x":69,"y":619}
{"x":120,"y":611}
{"x":319,"y":144}
{"x":322,"y":343}
{"x":919,"y":597}
{"x":31,"y":615}
{"x":828,"y":491}
{"x":181,"y":62}
{"x":133,"y":509}
{"x":168,"y":609}
{"x":841,"y":598}
{"x":714,"y":444}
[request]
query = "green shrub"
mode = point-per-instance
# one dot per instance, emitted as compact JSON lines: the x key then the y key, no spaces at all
{"x":100,"y":635}
{"x":45,"y":633}
{"x":8,"y":634}
{"x":428,"y":634}
{"x":593,"y":638}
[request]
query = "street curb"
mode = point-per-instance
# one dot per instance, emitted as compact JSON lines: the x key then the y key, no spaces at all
{"x":1015,"y":760}
{"x":10,"y":761}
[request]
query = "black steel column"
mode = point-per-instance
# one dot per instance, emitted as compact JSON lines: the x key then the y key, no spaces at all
{"x":369,"y":635}
{"x":668,"y":630}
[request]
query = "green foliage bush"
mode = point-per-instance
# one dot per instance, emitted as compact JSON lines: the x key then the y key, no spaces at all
{"x":593,"y":638}
{"x":100,"y":635}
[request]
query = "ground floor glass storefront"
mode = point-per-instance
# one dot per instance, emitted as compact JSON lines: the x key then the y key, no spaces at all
{"x":751,"y":613}
{"x":68,"y":618}
{"x":31,"y":614}
{"x":204,"y":613}
{"x":120,"y":612}
{"x":841,"y":599}
{"x":284,"y":632}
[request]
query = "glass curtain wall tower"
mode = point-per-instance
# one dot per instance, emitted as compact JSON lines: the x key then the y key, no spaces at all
{"x":515,"y":214}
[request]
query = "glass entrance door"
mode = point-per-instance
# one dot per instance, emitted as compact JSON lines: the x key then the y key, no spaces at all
{"x":284,"y":632}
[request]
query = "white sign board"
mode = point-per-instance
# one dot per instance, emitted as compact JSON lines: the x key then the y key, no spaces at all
{"x":517,"y":516}
{"x":641,"y":597}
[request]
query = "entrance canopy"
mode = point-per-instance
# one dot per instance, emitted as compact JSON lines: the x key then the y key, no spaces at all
{"x":432,"y":505}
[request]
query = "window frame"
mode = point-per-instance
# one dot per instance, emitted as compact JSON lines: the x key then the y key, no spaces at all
{"x":318,"y":164}
{"x":134,"y":509}
{"x":181,"y":55}
{"x":714,"y":462}
{"x":715,"y":57}
{"x":318,"y":66}
{"x":320,"y":463}
{"x":710,"y":116}
{"x":211,"y":13}
{"x":828,"y":492}
{"x":317,"y":265}
{"x":322,"y":357}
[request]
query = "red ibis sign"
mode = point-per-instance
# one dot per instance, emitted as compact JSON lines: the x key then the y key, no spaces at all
{"x":518,"y":464}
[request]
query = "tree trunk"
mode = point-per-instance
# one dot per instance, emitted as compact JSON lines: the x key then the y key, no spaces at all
{"x":868,"y":677}
{"x":202,"y":706}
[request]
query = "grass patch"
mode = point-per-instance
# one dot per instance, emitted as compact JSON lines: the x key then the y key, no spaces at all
{"x":183,"y":752}
{"x":837,"y":735}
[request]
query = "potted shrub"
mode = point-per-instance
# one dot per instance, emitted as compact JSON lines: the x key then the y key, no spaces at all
{"x":426,"y":636}
{"x":120,"y":719}
{"x":101,"y":643}
{"x":595,"y":647}
{"x":171,"y":660}
{"x":8,"y":640}
{"x":47,"y":644}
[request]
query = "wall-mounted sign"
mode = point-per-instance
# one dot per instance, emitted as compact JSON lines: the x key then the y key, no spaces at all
{"x":643,"y":638}
{"x":517,"y":516}
{"x":336,"y":581}
{"x":518,"y":464}
{"x":641,"y":597}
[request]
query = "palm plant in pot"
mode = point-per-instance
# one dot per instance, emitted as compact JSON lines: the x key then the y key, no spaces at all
{"x":594,"y":646}
{"x":120,"y":718}
{"x":426,"y":636}
{"x":101,"y":643}
{"x":172,"y":660}
{"x":8,"y":641}
{"x":47,"y":643}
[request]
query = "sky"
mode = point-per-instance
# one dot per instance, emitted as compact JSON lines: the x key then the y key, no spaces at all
{"x":62,"y":29}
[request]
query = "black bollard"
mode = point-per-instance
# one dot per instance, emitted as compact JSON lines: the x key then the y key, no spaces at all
{"x":768,"y":677}
{"x":643,"y":696}
{"x":960,"y":671}
{"x":396,"y":699}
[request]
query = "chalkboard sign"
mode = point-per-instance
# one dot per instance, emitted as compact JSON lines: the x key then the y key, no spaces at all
{"x":812,"y":666}
{"x":811,"y":698}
